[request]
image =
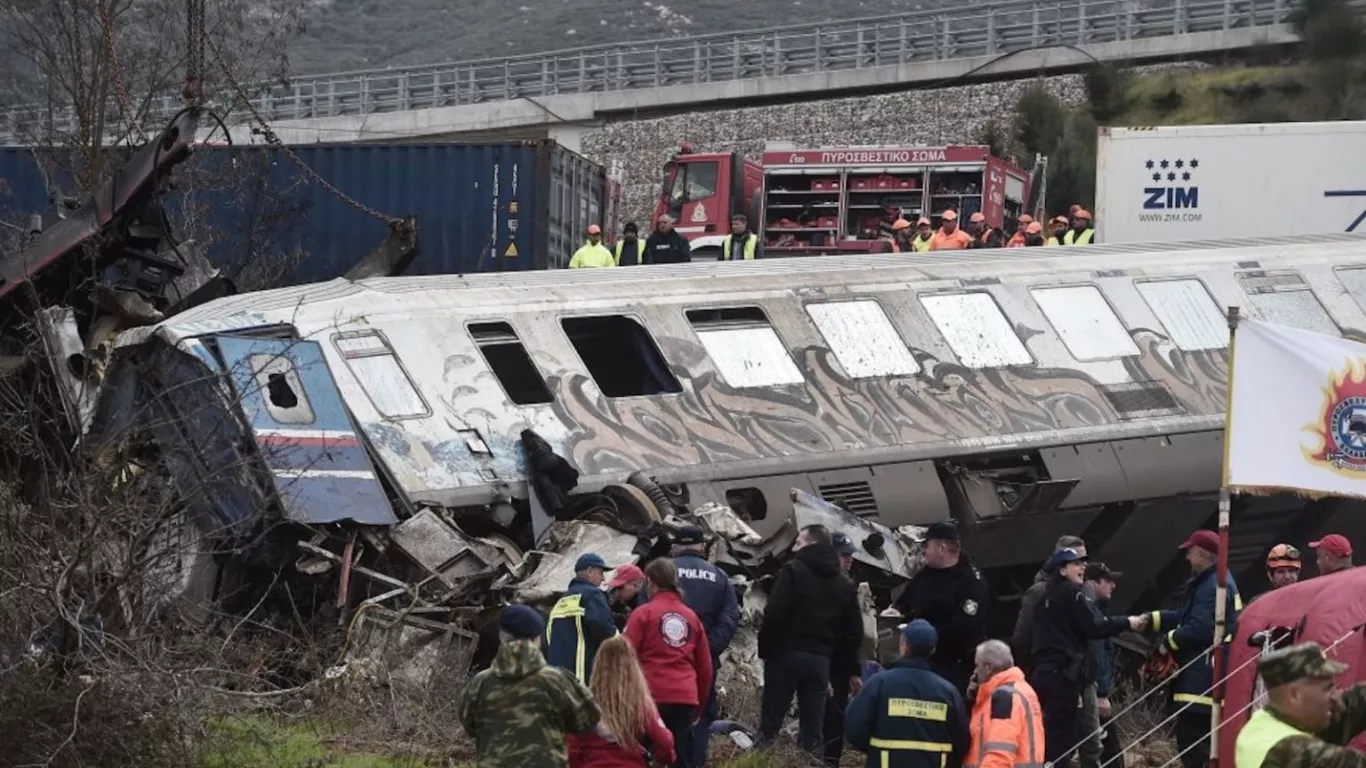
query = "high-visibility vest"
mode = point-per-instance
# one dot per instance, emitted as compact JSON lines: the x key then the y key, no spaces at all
{"x":1007,"y":722}
{"x":921,"y":245}
{"x":591,"y":255}
{"x":1262,"y":732}
{"x":640,"y":250}
{"x":1071,"y":237}
{"x":751,"y":243}
{"x":1051,"y":241}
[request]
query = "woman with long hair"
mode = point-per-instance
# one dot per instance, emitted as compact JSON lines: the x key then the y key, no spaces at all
{"x":629,"y":730}
{"x":672,"y":645}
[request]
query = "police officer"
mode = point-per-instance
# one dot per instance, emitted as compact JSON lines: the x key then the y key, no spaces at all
{"x":1187,"y":635}
{"x":908,"y":716}
{"x":844,"y":672}
{"x":580,"y":620}
{"x":1302,"y":725}
{"x":952,"y":596}
{"x":708,"y":592}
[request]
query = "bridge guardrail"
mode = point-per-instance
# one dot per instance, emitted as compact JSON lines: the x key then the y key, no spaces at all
{"x":814,"y":48}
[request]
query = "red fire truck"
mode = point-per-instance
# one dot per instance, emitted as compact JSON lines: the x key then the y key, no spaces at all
{"x":817,"y":201}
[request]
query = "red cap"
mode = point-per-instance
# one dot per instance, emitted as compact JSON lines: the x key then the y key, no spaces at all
{"x":900,"y":224}
{"x":594,"y":229}
{"x":624,"y":575}
{"x":1334,"y":544}
{"x":949,"y":215}
{"x":1033,"y":228}
{"x":1206,"y":540}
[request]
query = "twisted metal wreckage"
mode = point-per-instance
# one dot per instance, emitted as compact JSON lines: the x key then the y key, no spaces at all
{"x":244,"y":420}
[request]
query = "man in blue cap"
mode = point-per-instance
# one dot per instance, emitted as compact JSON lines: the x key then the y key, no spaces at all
{"x":580,"y":620}
{"x":908,"y":716}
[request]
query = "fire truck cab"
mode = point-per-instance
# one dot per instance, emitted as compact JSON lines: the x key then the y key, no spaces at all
{"x":809,"y":202}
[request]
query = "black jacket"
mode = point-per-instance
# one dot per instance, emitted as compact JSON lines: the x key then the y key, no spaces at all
{"x":1022,"y":639}
{"x":955,"y":601}
{"x":672,"y":248}
{"x":1064,"y":624}
{"x":813,"y":608}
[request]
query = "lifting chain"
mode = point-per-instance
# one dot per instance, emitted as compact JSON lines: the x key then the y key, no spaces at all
{"x":274,"y":141}
{"x":111,"y":60}
{"x":193,"y":92}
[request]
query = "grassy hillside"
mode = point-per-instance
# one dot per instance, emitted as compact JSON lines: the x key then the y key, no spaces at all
{"x":1229,"y":95}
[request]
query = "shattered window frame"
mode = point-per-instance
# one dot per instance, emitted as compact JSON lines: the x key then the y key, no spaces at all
{"x":515,"y":340}
{"x":364,"y":382}
{"x":264,"y":365}
{"x":727,"y":335}
{"x":1005,"y":350}
{"x":1184,"y":336}
{"x":877,"y":351}
{"x":1284,"y":297}
{"x":654,"y":366}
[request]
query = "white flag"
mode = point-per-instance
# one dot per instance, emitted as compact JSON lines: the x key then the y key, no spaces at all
{"x":1298,"y":416}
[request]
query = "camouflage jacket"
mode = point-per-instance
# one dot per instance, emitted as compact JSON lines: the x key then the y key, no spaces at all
{"x":520,"y":710}
{"x":1328,"y":748}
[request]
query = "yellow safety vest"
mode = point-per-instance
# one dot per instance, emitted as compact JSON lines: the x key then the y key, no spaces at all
{"x":1051,"y":241}
{"x":640,"y":250}
{"x":571,"y":607}
{"x":920,"y":246}
{"x":1085,"y":238}
{"x":751,"y":244}
{"x":1262,"y":732}
{"x":591,"y":255}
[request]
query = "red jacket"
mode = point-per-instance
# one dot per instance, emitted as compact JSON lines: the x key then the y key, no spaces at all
{"x":672,"y":647}
{"x":599,"y":748}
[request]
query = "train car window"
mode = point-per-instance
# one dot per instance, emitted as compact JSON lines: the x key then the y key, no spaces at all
{"x":283,"y":392}
{"x":1284,"y":298}
{"x":510,"y":363}
{"x":1187,"y":311}
{"x":372,"y":361}
{"x":863,"y":339}
{"x":976,"y":329}
{"x":1085,"y":322}
{"x":744,"y":347}
{"x":620,"y":355}
{"x":1354,"y":280}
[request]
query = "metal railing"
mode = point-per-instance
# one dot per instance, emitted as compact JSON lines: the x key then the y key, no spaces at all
{"x":946,"y":33}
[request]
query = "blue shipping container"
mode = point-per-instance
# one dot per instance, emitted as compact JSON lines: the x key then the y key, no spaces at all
{"x":479,"y":207}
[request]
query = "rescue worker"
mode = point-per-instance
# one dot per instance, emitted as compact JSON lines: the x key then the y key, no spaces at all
{"x":1017,"y":240}
{"x":1006,"y":724}
{"x":672,"y":645}
{"x":900,"y":241}
{"x":1083,"y":231}
{"x":907,"y":716}
{"x":950,"y":237}
{"x":1033,"y":234}
{"x":952,"y":596}
{"x":1072,"y":213}
{"x":843,"y":680}
{"x":580,"y":620}
{"x":740,"y":243}
{"x":983,"y":236}
{"x":1095,"y":697}
{"x":593,"y":253}
{"x":666,"y":245}
{"x":1305,"y":724}
{"x":1334,"y":553}
{"x":708,"y":592}
{"x":630,"y":247}
{"x":1057,"y":230}
{"x":1022,"y":639}
{"x":1283,"y":566}
{"x":1187,"y":634}
{"x":924,"y":235}
{"x":625,"y":592}
{"x":1064,"y":623}
{"x":520,"y":710}
{"x":812,"y":616}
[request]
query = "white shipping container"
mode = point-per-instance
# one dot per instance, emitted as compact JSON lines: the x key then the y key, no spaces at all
{"x":1215,"y":182}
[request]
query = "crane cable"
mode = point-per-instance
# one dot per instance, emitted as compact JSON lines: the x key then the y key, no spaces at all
{"x":111,"y":60}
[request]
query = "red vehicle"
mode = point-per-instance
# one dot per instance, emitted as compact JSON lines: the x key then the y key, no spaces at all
{"x":834,"y":200}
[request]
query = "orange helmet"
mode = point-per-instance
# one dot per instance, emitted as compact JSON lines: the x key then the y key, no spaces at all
{"x":1033,"y":228}
{"x":900,"y":224}
{"x":950,"y":215}
{"x":977,"y":217}
{"x":1083,"y":214}
{"x":1283,"y":556}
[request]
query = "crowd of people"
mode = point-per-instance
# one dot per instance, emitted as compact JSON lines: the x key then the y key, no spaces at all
{"x":665,"y":245}
{"x":628,"y":673}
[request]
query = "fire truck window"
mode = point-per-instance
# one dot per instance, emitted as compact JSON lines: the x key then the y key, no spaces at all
{"x":1085,"y":322}
{"x":372,"y":361}
{"x":695,"y":181}
{"x":279,"y":385}
{"x":744,"y":347}
{"x":1284,"y":298}
{"x":976,"y":330}
{"x":1188,"y":312}
{"x":510,"y":363}
{"x":863,"y":339}
{"x":620,"y":355}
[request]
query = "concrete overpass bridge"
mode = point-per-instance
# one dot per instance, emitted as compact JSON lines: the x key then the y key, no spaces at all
{"x":564,"y":94}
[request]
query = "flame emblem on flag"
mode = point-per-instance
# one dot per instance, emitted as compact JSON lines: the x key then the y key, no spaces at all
{"x":1341,"y":430}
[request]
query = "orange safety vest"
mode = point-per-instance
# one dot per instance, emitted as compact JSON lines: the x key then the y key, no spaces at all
{"x":1007,"y":724}
{"x":1017,"y":240}
{"x":944,"y":242}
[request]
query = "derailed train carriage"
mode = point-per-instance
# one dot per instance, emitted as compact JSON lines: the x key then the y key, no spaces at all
{"x":1025,"y":394}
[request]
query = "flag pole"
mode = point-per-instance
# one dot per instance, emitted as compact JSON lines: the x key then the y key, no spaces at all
{"x":1221,"y":588}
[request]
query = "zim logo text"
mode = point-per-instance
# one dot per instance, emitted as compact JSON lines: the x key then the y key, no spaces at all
{"x":1178,"y":192}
